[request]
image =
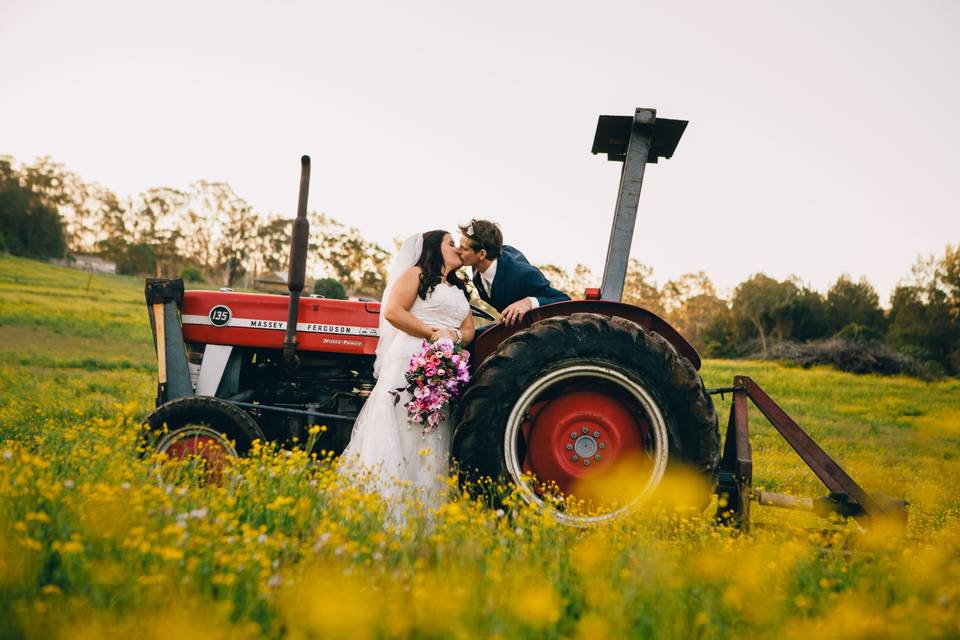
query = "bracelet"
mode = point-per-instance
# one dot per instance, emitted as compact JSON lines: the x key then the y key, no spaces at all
{"x":459,"y":335}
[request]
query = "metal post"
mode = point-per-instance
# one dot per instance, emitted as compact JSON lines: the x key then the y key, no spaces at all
{"x":628,"y":199}
{"x":735,"y":472}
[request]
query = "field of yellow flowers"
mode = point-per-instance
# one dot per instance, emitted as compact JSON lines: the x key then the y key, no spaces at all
{"x":94,"y":544}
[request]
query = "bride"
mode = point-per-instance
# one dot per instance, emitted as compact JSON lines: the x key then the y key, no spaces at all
{"x":424,"y":299}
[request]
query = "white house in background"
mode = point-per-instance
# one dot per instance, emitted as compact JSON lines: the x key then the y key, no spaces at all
{"x":88,"y":263}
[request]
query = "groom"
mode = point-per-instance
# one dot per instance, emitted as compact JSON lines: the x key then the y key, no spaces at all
{"x":502,"y":275}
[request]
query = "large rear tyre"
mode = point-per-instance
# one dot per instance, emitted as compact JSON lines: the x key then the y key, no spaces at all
{"x":576,"y":403}
{"x":201,"y":429}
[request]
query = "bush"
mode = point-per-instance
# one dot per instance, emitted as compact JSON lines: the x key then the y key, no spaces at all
{"x":330,"y":288}
{"x":192,"y":274}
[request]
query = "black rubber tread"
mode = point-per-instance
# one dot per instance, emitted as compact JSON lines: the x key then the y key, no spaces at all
{"x":215,"y":413}
{"x":694,"y":437}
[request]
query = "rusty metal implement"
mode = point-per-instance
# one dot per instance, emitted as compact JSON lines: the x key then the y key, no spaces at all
{"x":846,"y":499}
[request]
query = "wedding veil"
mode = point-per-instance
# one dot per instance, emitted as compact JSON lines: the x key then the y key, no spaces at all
{"x":407,"y":257}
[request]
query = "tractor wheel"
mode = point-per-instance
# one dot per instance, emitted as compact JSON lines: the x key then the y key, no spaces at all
{"x":574,"y":405}
{"x":203,"y":428}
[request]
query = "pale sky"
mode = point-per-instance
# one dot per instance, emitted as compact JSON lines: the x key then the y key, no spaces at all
{"x":823,"y":136}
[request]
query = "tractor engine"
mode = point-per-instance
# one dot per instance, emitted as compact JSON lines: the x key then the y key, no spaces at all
{"x":331,"y":384}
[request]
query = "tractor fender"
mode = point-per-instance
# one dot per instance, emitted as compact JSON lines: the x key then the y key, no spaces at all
{"x":488,"y":341}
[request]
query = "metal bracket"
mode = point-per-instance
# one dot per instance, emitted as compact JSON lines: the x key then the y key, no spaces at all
{"x":735,"y":473}
{"x":164,"y":298}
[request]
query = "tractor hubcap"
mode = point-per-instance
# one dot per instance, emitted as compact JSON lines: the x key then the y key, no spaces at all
{"x":585,"y":446}
{"x":573,"y":427}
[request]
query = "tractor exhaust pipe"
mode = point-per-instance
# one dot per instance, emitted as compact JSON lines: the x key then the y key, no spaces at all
{"x":296,"y":274}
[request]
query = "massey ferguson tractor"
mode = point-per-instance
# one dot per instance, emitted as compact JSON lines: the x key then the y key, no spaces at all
{"x":557,"y":405}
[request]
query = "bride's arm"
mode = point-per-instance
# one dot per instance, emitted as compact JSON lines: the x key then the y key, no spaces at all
{"x":467,"y":330}
{"x":397,"y":308}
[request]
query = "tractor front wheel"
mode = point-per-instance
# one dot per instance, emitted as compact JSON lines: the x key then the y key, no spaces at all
{"x":203,"y":429}
{"x":585,"y":415}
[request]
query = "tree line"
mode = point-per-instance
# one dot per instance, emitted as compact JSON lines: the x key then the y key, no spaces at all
{"x":921,"y":322}
{"x":208,"y":232}
{"x":204,"y":232}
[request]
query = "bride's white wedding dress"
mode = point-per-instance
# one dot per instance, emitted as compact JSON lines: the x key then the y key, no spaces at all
{"x":401,"y":460}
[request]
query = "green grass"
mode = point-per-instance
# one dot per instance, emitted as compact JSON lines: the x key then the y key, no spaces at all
{"x":92,"y":545}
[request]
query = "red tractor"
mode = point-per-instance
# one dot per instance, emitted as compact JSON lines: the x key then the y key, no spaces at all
{"x":561,"y":401}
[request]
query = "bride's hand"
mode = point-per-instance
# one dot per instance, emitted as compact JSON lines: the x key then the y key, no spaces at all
{"x":443,"y":333}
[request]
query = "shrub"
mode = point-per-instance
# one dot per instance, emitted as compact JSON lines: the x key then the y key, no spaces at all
{"x":330,"y":288}
{"x":192,"y":274}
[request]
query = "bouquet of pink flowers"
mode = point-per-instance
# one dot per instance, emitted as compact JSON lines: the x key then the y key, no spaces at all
{"x":435,"y":378}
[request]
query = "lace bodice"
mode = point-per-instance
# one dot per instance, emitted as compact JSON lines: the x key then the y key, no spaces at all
{"x":445,"y":308}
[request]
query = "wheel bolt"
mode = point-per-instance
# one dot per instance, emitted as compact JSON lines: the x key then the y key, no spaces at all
{"x":602,"y":445}
{"x":569,"y":447}
{"x":586,"y":463}
{"x":573,"y":434}
{"x":597,"y":457}
{"x":596,"y":434}
{"x":585,"y":430}
{"x":575,"y":457}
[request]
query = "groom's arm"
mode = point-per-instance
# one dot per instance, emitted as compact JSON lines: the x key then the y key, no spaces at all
{"x":537,"y":290}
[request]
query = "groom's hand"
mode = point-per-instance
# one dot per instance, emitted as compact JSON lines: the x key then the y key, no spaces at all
{"x":515,"y":312}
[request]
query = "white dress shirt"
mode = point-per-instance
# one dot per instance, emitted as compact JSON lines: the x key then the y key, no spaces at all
{"x":486,"y":277}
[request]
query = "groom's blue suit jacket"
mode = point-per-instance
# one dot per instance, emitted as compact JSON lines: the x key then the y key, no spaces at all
{"x":516,"y":279}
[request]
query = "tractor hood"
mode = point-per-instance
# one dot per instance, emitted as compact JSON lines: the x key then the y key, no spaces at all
{"x":260,"y":320}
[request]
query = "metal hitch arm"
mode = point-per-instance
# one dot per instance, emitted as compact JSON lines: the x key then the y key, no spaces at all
{"x":735,"y":481}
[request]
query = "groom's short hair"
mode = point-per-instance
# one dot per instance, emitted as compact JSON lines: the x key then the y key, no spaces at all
{"x":484,"y":234}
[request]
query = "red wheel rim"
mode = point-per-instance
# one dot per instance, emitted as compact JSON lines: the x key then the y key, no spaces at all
{"x":580,"y":435}
{"x":629,"y":422}
{"x":190,"y":443}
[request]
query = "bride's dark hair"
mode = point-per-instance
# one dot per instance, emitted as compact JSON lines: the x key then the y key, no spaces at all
{"x":431,"y":266}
